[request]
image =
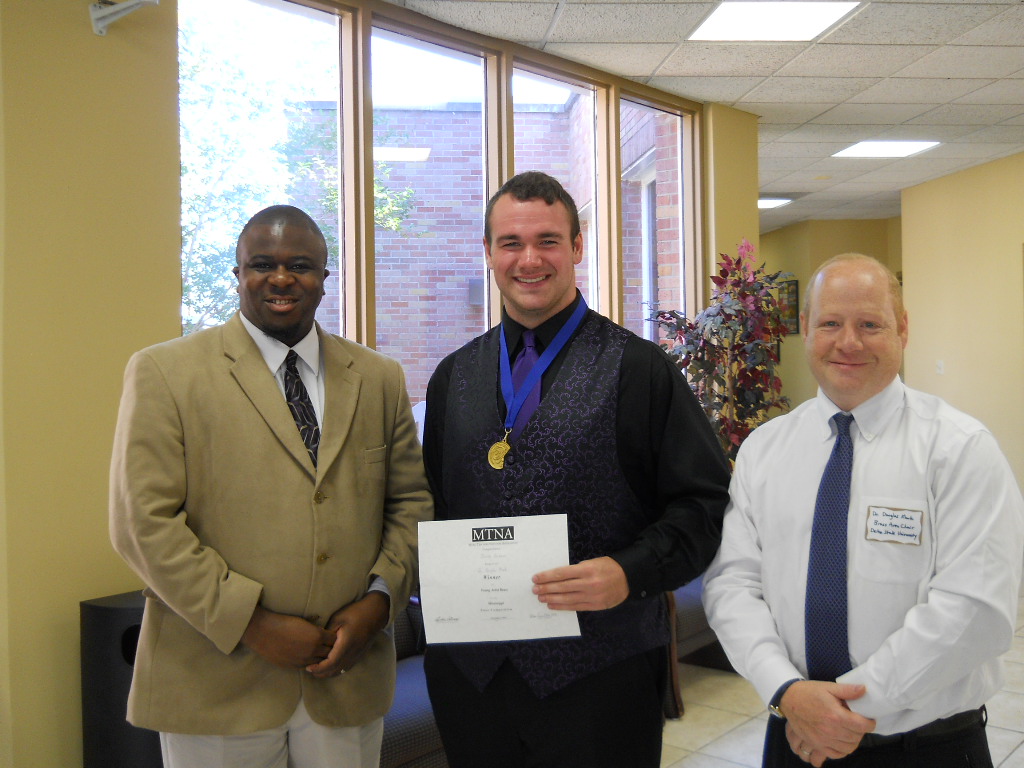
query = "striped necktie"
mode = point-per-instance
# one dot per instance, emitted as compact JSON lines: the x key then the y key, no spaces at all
{"x":301,"y":406}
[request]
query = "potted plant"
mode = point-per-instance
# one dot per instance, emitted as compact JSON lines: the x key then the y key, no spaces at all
{"x":729,"y":351}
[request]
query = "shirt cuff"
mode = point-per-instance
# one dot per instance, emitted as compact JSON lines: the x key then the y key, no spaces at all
{"x":377,"y":584}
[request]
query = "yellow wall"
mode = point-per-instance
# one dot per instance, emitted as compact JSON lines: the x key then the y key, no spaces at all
{"x":6,"y":753}
{"x":730,"y":168}
{"x":963,"y":248}
{"x":800,"y":248}
{"x":90,"y":273}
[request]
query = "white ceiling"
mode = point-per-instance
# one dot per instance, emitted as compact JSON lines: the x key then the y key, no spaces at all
{"x":944,"y":71}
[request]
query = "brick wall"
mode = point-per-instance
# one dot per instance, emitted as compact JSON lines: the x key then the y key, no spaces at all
{"x":431,"y":276}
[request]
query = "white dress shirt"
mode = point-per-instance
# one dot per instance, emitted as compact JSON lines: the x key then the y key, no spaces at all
{"x":936,"y":535}
{"x":308,"y":365}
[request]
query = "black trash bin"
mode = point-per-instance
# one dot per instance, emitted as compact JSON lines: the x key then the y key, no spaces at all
{"x":110,"y":632}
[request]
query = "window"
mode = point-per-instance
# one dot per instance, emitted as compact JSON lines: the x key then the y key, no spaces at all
{"x":278,"y":105}
{"x":429,"y":184}
{"x":654,"y":246}
{"x":554,"y":133}
{"x":258,"y":105}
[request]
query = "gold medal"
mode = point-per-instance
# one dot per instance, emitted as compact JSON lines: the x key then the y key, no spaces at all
{"x":498,"y":451}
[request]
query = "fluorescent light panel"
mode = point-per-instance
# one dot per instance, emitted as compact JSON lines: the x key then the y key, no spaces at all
{"x":771,"y":21}
{"x":773,"y":202}
{"x":886,"y":148}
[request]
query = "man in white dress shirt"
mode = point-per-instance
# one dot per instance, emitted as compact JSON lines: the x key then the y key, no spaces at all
{"x":934,"y":537}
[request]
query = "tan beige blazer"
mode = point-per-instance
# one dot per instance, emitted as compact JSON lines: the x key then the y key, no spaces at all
{"x":215,"y":503}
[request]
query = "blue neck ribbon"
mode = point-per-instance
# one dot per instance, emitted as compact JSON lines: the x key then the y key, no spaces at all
{"x":514,"y":400}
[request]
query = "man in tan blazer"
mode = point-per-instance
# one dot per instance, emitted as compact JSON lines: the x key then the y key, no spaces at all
{"x":273,"y":566}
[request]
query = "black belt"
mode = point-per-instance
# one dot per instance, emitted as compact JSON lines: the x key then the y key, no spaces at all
{"x":938,"y":729}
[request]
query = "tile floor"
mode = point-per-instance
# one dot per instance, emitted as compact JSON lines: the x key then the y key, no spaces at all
{"x":723,"y":726}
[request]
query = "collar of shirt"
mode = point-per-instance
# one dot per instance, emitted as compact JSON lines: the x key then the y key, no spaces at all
{"x":274,"y":352}
{"x":545,"y":332}
{"x":870,"y":418}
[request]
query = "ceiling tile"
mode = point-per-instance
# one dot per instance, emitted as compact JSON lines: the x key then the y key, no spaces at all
{"x":729,"y":59}
{"x":809,"y":89}
{"x":771,"y":131}
{"x":1005,"y":29}
{"x":1000,"y":92}
{"x":823,"y":60}
{"x":998,"y":134}
{"x":628,"y":59}
{"x":967,"y":114}
{"x":783,"y":113}
{"x":516,"y":21}
{"x":872,"y":114}
{"x":723,"y":90}
{"x":860,"y":165}
{"x":787,"y":164}
{"x":896,"y":69}
{"x":911,"y":23}
{"x":967,"y":61}
{"x":628,"y":22}
{"x":799,"y":149}
{"x":902,"y":90}
{"x":925,"y":132}
{"x":831,"y":133}
{"x":973,"y":151}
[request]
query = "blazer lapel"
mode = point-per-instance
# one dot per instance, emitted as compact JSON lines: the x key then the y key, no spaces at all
{"x":250,"y":371}
{"x":341,"y":393}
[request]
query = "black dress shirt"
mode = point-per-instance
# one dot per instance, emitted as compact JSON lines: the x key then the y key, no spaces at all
{"x":666,"y":450}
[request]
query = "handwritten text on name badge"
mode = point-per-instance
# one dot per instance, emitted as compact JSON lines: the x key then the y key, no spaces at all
{"x":902,"y":526}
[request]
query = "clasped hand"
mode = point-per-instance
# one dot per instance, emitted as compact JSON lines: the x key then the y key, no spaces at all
{"x":819,"y":724}
{"x":294,"y":642}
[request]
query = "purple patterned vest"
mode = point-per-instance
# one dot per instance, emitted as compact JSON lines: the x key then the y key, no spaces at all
{"x":565,"y":461}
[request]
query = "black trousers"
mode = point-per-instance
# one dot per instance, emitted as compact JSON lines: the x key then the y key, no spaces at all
{"x":967,"y":748}
{"x":611,"y":719}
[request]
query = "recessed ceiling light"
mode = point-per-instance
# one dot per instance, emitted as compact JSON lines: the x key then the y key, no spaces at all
{"x":771,"y":21}
{"x":773,"y":202}
{"x":886,"y":148}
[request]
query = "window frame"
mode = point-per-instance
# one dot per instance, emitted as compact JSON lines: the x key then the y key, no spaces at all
{"x":358,"y":18}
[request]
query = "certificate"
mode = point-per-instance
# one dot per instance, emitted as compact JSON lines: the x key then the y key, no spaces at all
{"x":476,"y":578}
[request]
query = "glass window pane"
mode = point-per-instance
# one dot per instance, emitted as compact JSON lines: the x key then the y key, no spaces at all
{"x":258,"y":104}
{"x":653,"y":241}
{"x":429,"y":188}
{"x":554,"y":128}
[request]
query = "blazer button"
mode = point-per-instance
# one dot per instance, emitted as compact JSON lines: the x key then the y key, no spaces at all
{"x":319,"y":497}
{"x":323,"y":557}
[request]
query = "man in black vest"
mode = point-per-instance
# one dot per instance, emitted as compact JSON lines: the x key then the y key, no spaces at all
{"x":610,"y":436}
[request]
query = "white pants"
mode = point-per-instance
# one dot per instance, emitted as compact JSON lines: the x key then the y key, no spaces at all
{"x":299,"y":743}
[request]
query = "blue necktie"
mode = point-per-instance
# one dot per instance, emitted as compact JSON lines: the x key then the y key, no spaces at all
{"x":525,"y":361}
{"x":301,"y":406}
{"x":826,"y":634}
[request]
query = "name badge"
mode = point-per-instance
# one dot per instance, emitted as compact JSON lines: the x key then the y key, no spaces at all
{"x":902,"y":526}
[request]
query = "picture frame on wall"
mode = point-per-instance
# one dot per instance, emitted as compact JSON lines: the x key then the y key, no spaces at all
{"x":789,"y":301}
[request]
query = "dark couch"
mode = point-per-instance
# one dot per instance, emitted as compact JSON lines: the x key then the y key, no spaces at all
{"x":692,"y":629}
{"x":411,"y":739}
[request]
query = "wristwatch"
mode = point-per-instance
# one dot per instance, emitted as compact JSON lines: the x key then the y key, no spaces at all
{"x":773,"y":705}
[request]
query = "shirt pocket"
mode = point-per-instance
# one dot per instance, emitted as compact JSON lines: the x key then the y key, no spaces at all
{"x":892,"y":540}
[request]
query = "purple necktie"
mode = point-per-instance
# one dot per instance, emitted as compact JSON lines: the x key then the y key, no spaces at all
{"x":826,"y":637}
{"x":520,"y":370}
{"x":301,"y":406}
